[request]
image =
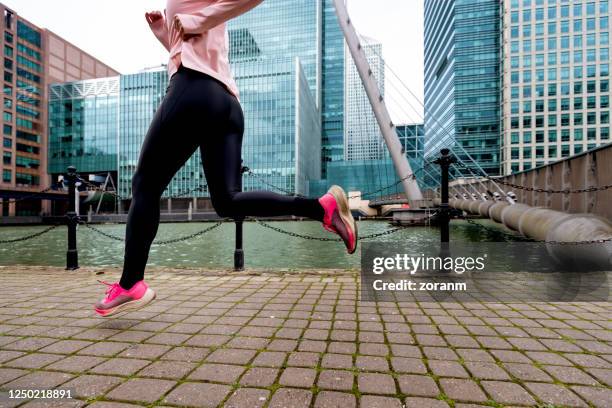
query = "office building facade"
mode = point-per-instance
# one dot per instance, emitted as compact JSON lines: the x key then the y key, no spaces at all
{"x":462,"y":79}
{"x":412,"y":138}
{"x":99,"y":126}
{"x":362,"y":138}
{"x":556,"y":93}
{"x":308,"y":30}
{"x":32,"y":58}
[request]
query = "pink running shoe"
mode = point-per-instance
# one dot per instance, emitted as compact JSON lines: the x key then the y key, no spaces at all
{"x":338,"y":218}
{"x":118,"y":299}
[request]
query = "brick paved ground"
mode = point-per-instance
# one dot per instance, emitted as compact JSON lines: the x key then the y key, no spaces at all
{"x":294,"y":340}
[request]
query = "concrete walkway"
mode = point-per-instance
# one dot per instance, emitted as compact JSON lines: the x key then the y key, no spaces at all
{"x":293,"y":340}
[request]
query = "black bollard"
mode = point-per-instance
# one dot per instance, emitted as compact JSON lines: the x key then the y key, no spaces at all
{"x":445,"y":160}
{"x":72,"y":255}
{"x":238,"y":251}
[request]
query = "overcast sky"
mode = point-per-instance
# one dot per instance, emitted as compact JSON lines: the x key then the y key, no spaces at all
{"x":116,"y":32}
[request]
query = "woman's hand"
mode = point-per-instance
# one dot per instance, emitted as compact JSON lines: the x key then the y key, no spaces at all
{"x":179,"y":27}
{"x":154,"y":17}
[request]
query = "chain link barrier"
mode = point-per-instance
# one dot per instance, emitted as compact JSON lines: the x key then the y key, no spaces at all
{"x":33,"y":195}
{"x":591,"y":189}
{"x":366,"y":194}
{"x":163,"y":242}
{"x":28,"y":237}
{"x":525,"y":239}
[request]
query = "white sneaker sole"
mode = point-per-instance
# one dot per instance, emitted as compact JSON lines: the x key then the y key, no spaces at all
{"x":133,"y":305}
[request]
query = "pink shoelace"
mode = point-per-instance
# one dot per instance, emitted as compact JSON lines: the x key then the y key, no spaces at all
{"x":113,"y":289}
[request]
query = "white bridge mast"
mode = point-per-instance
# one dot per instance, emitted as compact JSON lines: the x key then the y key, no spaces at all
{"x":387,"y":128}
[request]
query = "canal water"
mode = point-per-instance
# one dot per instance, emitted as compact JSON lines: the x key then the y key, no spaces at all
{"x":263,"y":248}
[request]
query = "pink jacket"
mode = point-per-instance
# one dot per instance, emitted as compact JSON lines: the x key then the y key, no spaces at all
{"x":207,"y":52}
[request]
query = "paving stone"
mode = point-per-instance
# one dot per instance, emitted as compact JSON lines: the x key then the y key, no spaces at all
{"x":599,"y":397}
{"x":370,"y":363}
{"x":259,"y":377}
{"x":304,"y":359}
{"x":509,"y":356}
{"x":167,"y":369}
{"x":447,"y":369}
{"x":555,"y":394}
{"x":418,"y":385}
{"x":208,"y":340}
{"x":462,"y":390}
{"x":76,"y":364}
{"x":92,"y":386}
{"x":198,"y":395}
{"x":247,"y":397}
{"x":65,"y":346}
{"x":570,"y":375}
{"x":141,"y":390}
{"x":507,"y":393}
{"x":374,"y":401}
{"x":527,"y":372}
{"x":255,"y":343}
{"x":424,"y":402}
{"x":291,"y":398}
{"x":9,"y":374}
{"x":35,"y":360}
{"x":486,"y":371}
{"x":312,"y":345}
{"x":298,"y":377}
{"x":108,"y":404}
{"x":548,"y":358}
{"x":587,"y":360}
{"x":333,"y":399}
{"x":603,"y":375}
{"x":188,"y":354}
{"x":408,"y":365}
{"x":145,"y":351}
{"x":38,"y":380}
{"x":342,"y":347}
{"x":370,"y":383}
{"x":475,"y":355}
{"x":373,"y":349}
{"x":120,"y":366}
{"x":104,"y":349}
{"x":335,"y":380}
{"x":29,"y":344}
{"x":231,"y":356}
{"x":440,"y":353}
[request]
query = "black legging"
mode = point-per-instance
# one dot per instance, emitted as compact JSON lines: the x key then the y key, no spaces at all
{"x":197,"y":111}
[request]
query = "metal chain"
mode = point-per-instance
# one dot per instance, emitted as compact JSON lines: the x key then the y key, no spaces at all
{"x":27,"y":237}
{"x":309,"y":237}
{"x":120,"y":197}
{"x":31,"y":195}
{"x":521,"y":238}
{"x":552,"y":191}
{"x":543,"y":190}
{"x":366,"y":194}
{"x":164,"y":242}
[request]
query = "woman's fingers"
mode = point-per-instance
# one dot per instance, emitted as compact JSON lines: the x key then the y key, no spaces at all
{"x":153,"y":16}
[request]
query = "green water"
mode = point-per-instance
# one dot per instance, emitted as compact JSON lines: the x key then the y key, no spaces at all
{"x":262,"y":247}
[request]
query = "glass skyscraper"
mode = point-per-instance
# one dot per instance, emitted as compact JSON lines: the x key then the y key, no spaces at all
{"x":412,"y":138}
{"x":83,"y":126}
{"x":99,"y":126}
{"x":282,"y":129}
{"x":308,"y":30}
{"x":363,"y":140}
{"x":556,"y":80}
{"x":462,"y":79}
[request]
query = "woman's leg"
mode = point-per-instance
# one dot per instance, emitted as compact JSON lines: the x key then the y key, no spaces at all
{"x":166,"y":147}
{"x":221,"y":156}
